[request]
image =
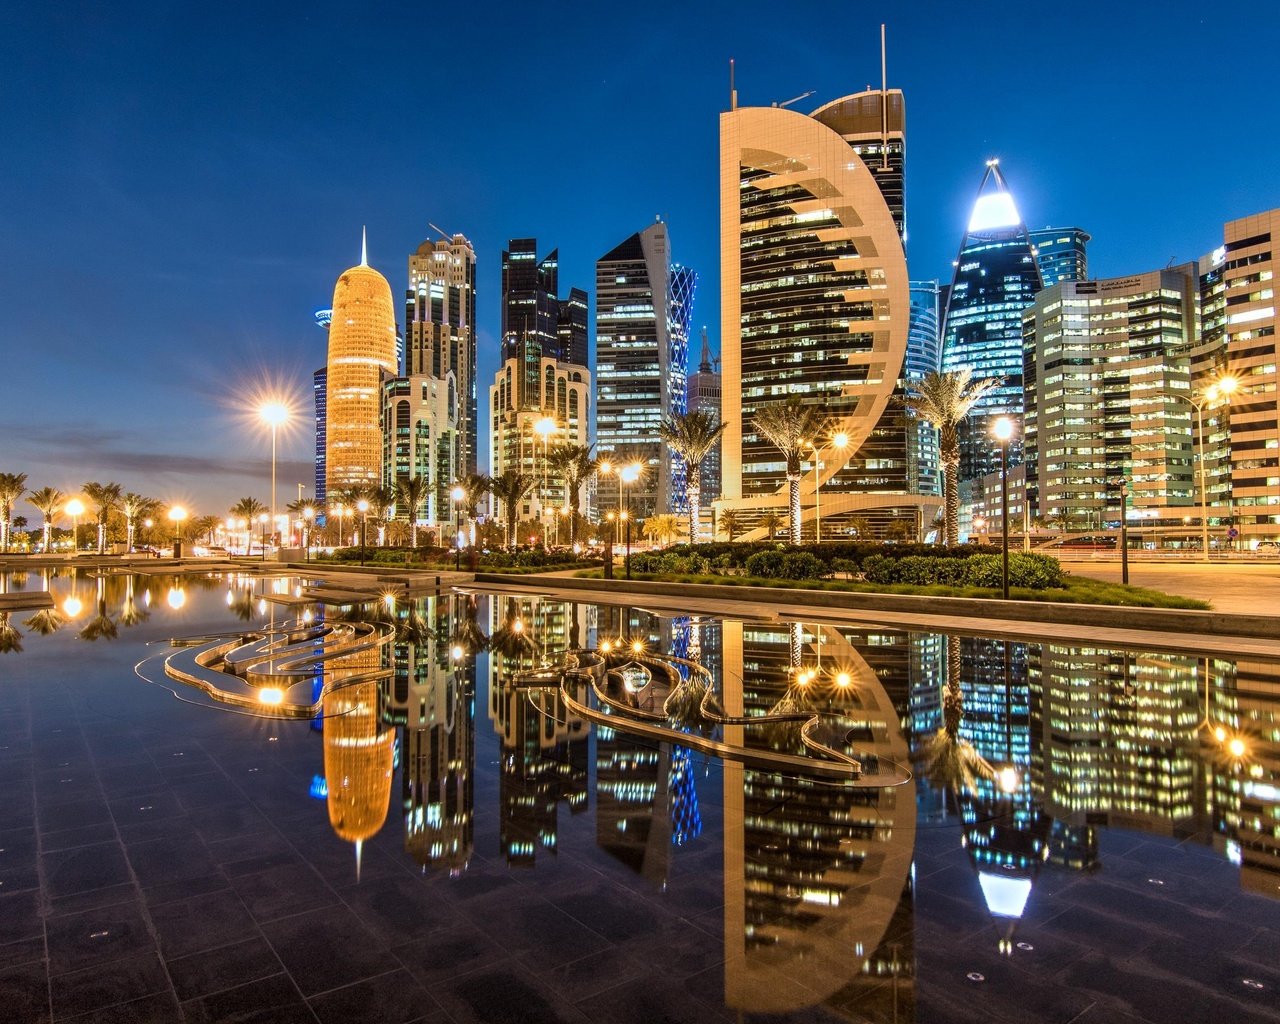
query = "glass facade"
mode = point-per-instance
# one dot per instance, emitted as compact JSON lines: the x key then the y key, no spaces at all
{"x":996,"y":278}
{"x":440,"y":317}
{"x":532,"y":313}
{"x":1061,"y":254}
{"x":1102,"y":358}
{"x":704,"y":396}
{"x":924,"y":356}
{"x":643,"y":309}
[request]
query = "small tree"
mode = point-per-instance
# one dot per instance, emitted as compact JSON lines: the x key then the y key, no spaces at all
{"x":729,"y":524}
{"x":410,"y":494}
{"x":692,"y":436}
{"x":771,"y":522}
{"x":48,"y":502}
{"x":12,"y":487}
{"x":662,"y":528}
{"x":104,"y":498}
{"x":791,"y":427}
{"x":510,"y":489}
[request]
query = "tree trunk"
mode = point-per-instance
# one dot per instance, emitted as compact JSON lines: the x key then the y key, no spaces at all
{"x":46,"y":537}
{"x":951,"y":488}
{"x":793,"y":498}
{"x":128,"y":535}
{"x":952,"y":696}
{"x":695,"y":506}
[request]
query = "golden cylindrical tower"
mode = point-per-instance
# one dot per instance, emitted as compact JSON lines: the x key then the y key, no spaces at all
{"x":362,"y":348}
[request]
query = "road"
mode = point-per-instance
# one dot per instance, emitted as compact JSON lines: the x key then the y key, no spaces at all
{"x":1236,"y":587}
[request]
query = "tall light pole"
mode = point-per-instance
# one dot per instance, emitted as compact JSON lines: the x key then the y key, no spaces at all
{"x":262,"y":522}
{"x":308,"y":513}
{"x":544,"y":428}
{"x":607,"y":468}
{"x":1223,"y":389}
{"x":839,"y":440}
{"x":457,"y":494}
{"x":75,"y":509}
{"x":176,"y":515}
{"x":1003,"y":431}
{"x":363,"y":507}
{"x":274,"y":414}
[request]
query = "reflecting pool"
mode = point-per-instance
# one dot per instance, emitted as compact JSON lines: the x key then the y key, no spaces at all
{"x":510,"y":808}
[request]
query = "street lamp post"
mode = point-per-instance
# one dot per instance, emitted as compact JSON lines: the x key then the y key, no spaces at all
{"x":606,"y":468}
{"x":176,"y":515}
{"x":628,"y":474}
{"x":839,"y":440}
{"x":1124,"y":530}
{"x":308,"y":513}
{"x":458,"y":493}
{"x":263,"y":519}
{"x":363,"y":507}
{"x":627,"y":516}
{"x":544,"y":428}
{"x":1224,"y":388}
{"x":274,"y":414}
{"x":75,"y":509}
{"x":1003,"y":430}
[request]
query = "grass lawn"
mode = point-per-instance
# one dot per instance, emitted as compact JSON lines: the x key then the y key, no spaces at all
{"x":1078,"y":591}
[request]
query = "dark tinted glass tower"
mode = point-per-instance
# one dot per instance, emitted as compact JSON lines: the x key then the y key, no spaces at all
{"x":996,"y":278}
{"x":531,"y":311}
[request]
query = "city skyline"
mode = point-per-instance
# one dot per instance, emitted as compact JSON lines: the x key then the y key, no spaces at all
{"x":212,"y":209}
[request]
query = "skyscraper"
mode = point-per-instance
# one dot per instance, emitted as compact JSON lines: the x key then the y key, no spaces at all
{"x":1061,"y":254}
{"x":704,"y":397}
{"x":814,"y":304}
{"x":924,"y":356}
{"x":1239,"y":315}
{"x":420,"y":440}
{"x":1104,"y":360}
{"x":996,"y":278}
{"x":532,"y":312}
{"x":440,"y":338}
{"x":643,"y":306}
{"x":362,"y":350}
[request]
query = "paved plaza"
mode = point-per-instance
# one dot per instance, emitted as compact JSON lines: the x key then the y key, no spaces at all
{"x":1243,"y":588}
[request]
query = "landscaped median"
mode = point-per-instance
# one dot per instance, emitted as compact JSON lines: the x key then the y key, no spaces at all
{"x":970,"y":571}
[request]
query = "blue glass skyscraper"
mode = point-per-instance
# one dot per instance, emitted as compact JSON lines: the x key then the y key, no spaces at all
{"x":1061,"y":254}
{"x":996,"y":278}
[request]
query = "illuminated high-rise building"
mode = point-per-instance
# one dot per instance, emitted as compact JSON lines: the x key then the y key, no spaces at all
{"x":440,"y":332}
{"x":996,"y":278}
{"x":924,"y":356}
{"x":643,"y":307}
{"x":1061,"y":254}
{"x":362,"y":351}
{"x":420,"y":426}
{"x":814,"y":304}
{"x":1104,"y":360}
{"x":704,"y":397}
{"x":531,"y":312}
{"x":318,"y":395}
{"x":1242,"y":442}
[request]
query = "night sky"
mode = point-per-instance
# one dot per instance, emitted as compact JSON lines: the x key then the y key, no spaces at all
{"x":181,"y":184}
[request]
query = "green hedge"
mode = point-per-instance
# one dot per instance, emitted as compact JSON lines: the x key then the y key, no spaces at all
{"x":1030,"y":571}
{"x":531,"y":558}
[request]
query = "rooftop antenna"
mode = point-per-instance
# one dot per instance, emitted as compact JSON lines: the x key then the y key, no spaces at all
{"x":364,"y":246}
{"x":733,"y":91}
{"x":884,"y":105}
{"x":440,"y":231}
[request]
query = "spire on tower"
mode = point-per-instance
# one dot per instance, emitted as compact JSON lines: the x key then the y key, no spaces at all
{"x":364,"y":247}
{"x":705,"y":365}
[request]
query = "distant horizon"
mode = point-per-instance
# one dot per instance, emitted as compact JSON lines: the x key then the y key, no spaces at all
{"x":182,"y":194}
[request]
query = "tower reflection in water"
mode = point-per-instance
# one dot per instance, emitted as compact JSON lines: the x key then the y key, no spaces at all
{"x":818,"y":882}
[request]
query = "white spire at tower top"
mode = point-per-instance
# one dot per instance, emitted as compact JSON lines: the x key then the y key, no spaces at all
{"x":364,"y":246}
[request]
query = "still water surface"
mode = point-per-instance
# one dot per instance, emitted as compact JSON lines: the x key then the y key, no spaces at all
{"x":1048,"y":832}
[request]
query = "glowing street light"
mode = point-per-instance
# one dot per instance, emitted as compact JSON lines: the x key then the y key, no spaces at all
{"x":362,"y":506}
{"x":176,"y":515}
{"x":1222,"y":389}
{"x":75,"y":509}
{"x":457,"y":494}
{"x":839,"y":441}
{"x":275,"y":414}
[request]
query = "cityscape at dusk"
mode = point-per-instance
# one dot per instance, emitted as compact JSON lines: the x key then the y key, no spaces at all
{"x":211,"y":177}
{"x":616,"y":514}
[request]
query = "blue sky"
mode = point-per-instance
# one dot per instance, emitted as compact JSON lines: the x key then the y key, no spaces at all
{"x":180,"y":185}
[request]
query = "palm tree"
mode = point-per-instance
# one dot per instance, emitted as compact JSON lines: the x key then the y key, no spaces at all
{"x":950,"y":762}
{"x":381,"y":502}
{"x":474,"y":488}
{"x":771,"y":521}
{"x":511,"y":488}
{"x":10,"y":636}
{"x":729,"y":523}
{"x":203,"y":526}
{"x":945,"y":400}
{"x":410,"y":493}
{"x":104,"y":498}
{"x":12,"y":487}
{"x":135,"y":507}
{"x":662,"y":528}
{"x":791,"y":427}
{"x":692,"y":436}
{"x":48,"y":502}
{"x":248,"y":510}
{"x":576,"y":464}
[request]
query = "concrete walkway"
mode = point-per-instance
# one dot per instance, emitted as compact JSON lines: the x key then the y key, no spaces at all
{"x":1240,"y":588}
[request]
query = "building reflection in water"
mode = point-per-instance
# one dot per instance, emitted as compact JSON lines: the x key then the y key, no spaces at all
{"x":817,"y":881}
{"x":433,"y":701}
{"x":358,"y":751}
{"x":544,"y":749}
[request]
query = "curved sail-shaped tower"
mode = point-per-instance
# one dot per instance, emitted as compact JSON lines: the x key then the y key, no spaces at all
{"x":814,"y":303}
{"x":996,"y":278}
